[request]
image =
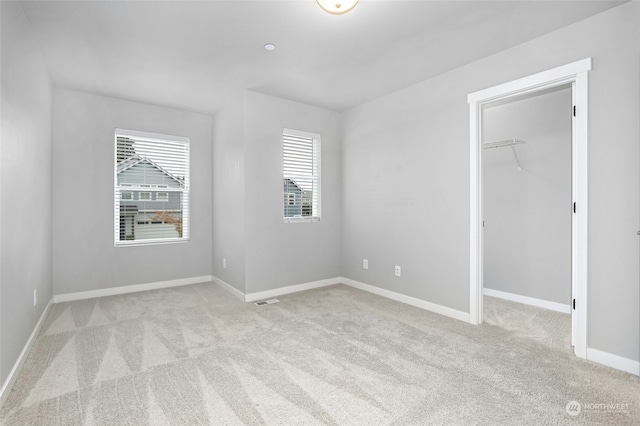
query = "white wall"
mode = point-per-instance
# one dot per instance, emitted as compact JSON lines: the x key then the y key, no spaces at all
{"x":527,"y":214}
{"x":406,"y":176}
{"x":25,"y":191}
{"x":229,"y":194}
{"x":84,"y":256}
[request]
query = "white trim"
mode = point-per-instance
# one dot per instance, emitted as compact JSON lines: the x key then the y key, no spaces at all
{"x":614,"y":361}
{"x":68,"y":297}
{"x":531,"y":83}
{"x":398,"y":297}
{"x":545,"y":304}
{"x":148,"y":136}
{"x":17,"y":367}
{"x":580,"y":221}
{"x":229,"y":288}
{"x":268,"y":294}
{"x":301,"y":134}
{"x":475,"y":217}
{"x":575,"y":73}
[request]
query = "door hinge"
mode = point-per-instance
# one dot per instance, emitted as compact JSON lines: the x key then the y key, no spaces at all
{"x":574,"y":110}
{"x":574,"y":207}
{"x":574,"y":304}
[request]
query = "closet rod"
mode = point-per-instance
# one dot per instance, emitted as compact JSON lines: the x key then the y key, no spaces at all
{"x":500,"y":144}
{"x":506,"y":142}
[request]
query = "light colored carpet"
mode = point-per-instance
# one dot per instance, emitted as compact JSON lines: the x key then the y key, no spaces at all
{"x":549,"y":328}
{"x":336,"y":355}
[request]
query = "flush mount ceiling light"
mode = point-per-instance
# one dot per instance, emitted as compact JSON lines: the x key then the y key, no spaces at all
{"x":337,"y":7}
{"x":269,"y":46}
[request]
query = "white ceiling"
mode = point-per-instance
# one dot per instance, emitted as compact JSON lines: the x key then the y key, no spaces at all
{"x":196,"y":55}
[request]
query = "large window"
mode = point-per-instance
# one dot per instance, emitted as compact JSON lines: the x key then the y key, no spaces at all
{"x":301,"y":176}
{"x":151,"y":179}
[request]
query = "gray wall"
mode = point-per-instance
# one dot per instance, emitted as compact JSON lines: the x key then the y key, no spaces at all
{"x":25,"y":191}
{"x":406,"y":176}
{"x":263,"y":252}
{"x":84,"y":256}
{"x":229,"y":194}
{"x":277,"y":253}
{"x":527,"y":214}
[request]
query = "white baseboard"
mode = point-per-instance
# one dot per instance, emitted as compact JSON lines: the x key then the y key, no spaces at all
{"x":252,"y":297}
{"x":228,"y":287}
{"x":614,"y":361}
{"x":68,"y":297}
{"x":545,"y":304}
{"x":419,"y":303}
{"x":15,"y":371}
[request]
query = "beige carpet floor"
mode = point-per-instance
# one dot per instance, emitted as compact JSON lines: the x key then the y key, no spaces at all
{"x":549,"y":328}
{"x":336,"y":355}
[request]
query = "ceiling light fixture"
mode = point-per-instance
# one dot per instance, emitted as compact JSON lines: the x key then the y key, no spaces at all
{"x":269,"y":46}
{"x":337,"y":7}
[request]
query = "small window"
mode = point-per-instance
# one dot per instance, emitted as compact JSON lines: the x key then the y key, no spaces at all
{"x":144,"y":162}
{"x":301,"y":176}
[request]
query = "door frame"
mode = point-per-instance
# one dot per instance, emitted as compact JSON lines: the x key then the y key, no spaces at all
{"x":575,"y":73}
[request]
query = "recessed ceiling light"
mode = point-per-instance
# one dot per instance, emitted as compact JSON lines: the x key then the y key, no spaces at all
{"x":269,"y":46}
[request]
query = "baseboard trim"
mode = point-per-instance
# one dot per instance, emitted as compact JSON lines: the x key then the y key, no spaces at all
{"x":68,"y":297}
{"x":398,"y":297}
{"x":614,"y":361}
{"x":252,"y":297}
{"x":545,"y":304}
{"x":17,"y":367}
{"x":229,"y":288}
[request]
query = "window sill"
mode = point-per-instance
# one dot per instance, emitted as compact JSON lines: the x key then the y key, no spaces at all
{"x":301,"y":219}
{"x":150,"y":242}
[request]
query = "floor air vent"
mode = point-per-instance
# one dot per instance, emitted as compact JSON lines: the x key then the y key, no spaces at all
{"x":267,"y":302}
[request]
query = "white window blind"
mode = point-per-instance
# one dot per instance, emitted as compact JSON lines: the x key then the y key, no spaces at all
{"x":151,"y":180}
{"x":301,"y":176}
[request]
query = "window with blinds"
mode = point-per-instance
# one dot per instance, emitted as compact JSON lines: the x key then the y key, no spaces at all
{"x":151,"y":180}
{"x":301,"y":176}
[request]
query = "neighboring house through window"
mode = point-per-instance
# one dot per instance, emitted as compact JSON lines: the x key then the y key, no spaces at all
{"x":151,"y":188}
{"x":301,"y":176}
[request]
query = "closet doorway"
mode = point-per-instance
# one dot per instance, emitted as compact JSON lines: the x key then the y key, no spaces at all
{"x":571,"y":77}
{"x":526,"y":218}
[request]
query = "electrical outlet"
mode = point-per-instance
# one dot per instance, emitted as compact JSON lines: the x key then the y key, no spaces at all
{"x":224,"y":263}
{"x":398,"y":271}
{"x":35,"y":297}
{"x":365,"y":264}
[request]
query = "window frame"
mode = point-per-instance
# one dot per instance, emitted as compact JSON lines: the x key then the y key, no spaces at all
{"x":316,"y":176}
{"x":185,"y":204}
